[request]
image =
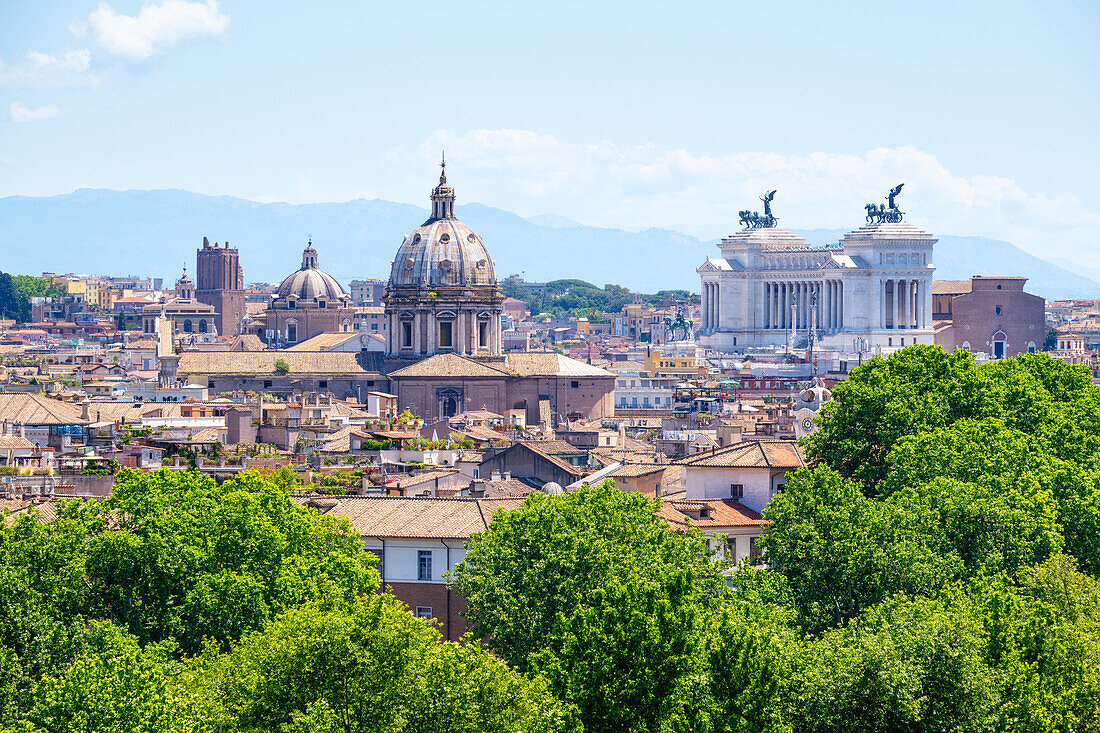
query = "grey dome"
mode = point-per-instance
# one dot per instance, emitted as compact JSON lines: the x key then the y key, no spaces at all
{"x":552,"y":488}
{"x":443,"y":252}
{"x":310,"y":282}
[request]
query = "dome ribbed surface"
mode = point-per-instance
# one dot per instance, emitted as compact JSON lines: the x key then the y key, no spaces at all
{"x":309,"y":283}
{"x":443,"y":252}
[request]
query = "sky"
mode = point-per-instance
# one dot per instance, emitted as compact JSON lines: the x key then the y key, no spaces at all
{"x":627,"y":115}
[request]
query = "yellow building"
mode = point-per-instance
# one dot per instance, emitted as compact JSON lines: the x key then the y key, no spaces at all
{"x":666,"y":365}
{"x":87,"y":289}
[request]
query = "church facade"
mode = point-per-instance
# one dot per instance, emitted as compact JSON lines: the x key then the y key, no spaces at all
{"x":307,"y":303}
{"x":444,"y":353}
{"x":769,"y":287}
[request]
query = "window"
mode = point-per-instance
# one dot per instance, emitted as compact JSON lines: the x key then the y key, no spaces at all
{"x":323,"y":384}
{"x":998,"y":309}
{"x":446,"y":334}
{"x":321,"y":304}
{"x":290,"y":304}
{"x":424,"y":565}
{"x":406,"y":335}
{"x":890,"y":342}
{"x":424,"y":612}
{"x":267,"y":383}
{"x":292,"y":332}
{"x":756,"y":547}
{"x":574,"y":384}
{"x":737,"y":491}
{"x":374,"y":326}
{"x":187,"y":326}
{"x":483,"y":334}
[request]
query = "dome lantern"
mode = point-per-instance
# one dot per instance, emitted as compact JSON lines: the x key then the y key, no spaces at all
{"x":443,"y":196}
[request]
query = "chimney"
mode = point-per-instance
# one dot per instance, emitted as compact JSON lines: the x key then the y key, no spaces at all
{"x":494,"y":475}
{"x":85,"y":410}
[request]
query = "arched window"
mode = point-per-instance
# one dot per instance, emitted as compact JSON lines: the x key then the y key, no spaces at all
{"x":202,"y":325}
{"x":187,"y":325}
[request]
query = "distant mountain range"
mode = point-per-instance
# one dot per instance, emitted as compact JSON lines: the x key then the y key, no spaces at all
{"x":157,"y":232}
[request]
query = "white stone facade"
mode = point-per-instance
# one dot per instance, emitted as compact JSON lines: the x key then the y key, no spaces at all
{"x":876,"y":285}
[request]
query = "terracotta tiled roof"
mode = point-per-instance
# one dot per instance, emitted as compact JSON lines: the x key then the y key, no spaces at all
{"x":535,"y":446}
{"x":552,"y":364}
{"x":448,"y":365}
{"x":720,"y":513}
{"x":412,"y":517}
{"x":410,"y":481}
{"x":555,"y":446}
{"x":324,"y":341}
{"x":246,"y":342}
{"x":14,"y":442}
{"x":338,"y":442}
{"x":255,"y":363}
{"x":36,"y":410}
{"x":12,"y":505}
{"x":480,"y":432}
{"x":634,"y":470}
{"x":950,"y":287}
{"x":750,"y":454}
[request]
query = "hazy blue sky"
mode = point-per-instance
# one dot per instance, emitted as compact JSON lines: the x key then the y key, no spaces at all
{"x":619,"y":114}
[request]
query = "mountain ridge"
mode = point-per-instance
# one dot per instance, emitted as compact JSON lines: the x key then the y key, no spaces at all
{"x":156,"y":232}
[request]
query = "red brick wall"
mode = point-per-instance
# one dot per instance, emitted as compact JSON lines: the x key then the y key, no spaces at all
{"x":447,"y":606}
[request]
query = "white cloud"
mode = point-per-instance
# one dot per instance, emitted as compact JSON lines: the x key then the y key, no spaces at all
{"x":19,"y":113}
{"x":601,"y":183}
{"x":156,"y":27}
{"x":70,"y":68}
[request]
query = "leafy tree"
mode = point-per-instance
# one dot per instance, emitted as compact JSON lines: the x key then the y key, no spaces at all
{"x":630,"y":659}
{"x":842,"y":552}
{"x":536,"y":564}
{"x":906,"y":666}
{"x":281,"y":367}
{"x":1051,"y":340}
{"x":172,"y":555}
{"x":113,"y":685}
{"x":368,"y":665}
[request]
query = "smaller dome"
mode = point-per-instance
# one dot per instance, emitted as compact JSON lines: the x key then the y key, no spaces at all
{"x":310,"y":281}
{"x":552,"y":488}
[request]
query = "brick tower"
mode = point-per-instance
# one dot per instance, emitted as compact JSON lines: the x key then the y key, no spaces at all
{"x":221,"y":284}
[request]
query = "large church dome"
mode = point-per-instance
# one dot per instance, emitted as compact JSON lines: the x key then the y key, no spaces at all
{"x":443,"y":251}
{"x":310,"y":282}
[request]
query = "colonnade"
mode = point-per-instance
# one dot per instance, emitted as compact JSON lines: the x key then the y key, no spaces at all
{"x":902,"y":304}
{"x":712,"y":306}
{"x":788,"y":304}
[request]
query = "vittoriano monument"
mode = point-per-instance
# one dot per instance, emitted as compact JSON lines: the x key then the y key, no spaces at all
{"x":753,"y":220}
{"x":887,"y":213}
